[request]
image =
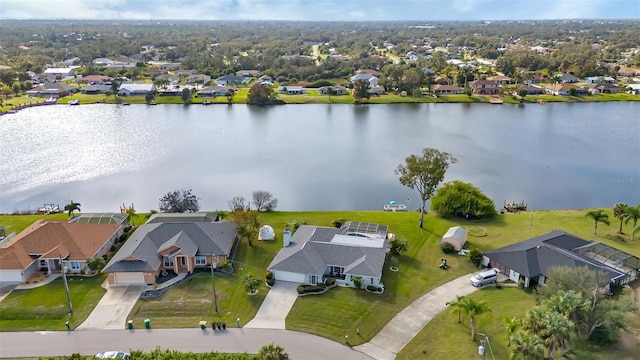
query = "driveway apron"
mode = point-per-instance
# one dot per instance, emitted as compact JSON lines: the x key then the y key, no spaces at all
{"x":113,"y":309}
{"x":275,"y":307}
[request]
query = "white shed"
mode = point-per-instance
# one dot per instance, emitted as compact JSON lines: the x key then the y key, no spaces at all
{"x":455,"y":236}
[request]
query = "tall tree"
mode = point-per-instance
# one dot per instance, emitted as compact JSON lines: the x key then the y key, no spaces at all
{"x":397,"y":246}
{"x":71,"y":207}
{"x":424,"y":173}
{"x":261,"y":95}
{"x":510,"y":324}
{"x":179,"y":201}
{"x":131,"y":212}
{"x":264,"y":200}
{"x":526,"y":346}
{"x":632,"y":213}
{"x":361,"y":90}
{"x":247,"y":222}
{"x":272,"y":351}
{"x":456,"y":307}
{"x":186,"y":95}
{"x":473,"y":308}
{"x":619,"y":211}
{"x":598,"y":216}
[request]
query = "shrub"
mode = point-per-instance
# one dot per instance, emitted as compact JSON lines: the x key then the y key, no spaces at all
{"x":447,"y":248}
{"x":123,"y":237}
{"x":330,"y":281}
{"x":374,"y":288}
{"x":475,"y":256}
{"x":521,"y":283}
{"x":457,"y":198}
{"x":269,"y":275}
{"x":309,"y":289}
{"x":127,"y":229}
{"x":300,"y":289}
{"x":270,"y":282}
{"x":338,"y":223}
{"x":357,"y":282}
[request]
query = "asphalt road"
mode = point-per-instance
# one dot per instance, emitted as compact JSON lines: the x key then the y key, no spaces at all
{"x":300,"y":346}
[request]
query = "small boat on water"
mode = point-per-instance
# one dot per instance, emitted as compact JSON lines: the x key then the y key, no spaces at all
{"x":51,"y":100}
{"x":73,"y":102}
{"x":394,"y":206}
{"x":496,"y":101}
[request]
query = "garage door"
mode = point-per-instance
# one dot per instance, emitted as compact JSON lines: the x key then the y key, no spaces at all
{"x":126,"y":278}
{"x":11,"y":276}
{"x":289,"y":276}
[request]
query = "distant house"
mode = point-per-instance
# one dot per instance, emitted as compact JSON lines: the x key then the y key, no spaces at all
{"x":248,"y":73}
{"x":215,"y":91}
{"x":50,"y":246}
{"x":625,"y":71}
{"x":180,"y":245}
{"x":603,"y":88}
{"x":634,"y":89}
{"x":72,"y":61}
{"x":52,"y":90}
{"x":135,"y":89}
{"x":456,"y":236}
{"x":599,"y":79}
{"x":94,"y":79}
{"x":428,"y":71}
{"x":291,"y":90}
{"x":484,"y":87}
{"x":446,"y":89}
{"x":170,"y":66}
{"x":265,"y":79}
{"x":568,"y":79}
{"x":184,"y":73}
{"x":532,"y":90}
{"x":372,"y":80}
{"x":565,"y":89}
{"x":232,"y":79}
{"x":171,"y":79}
{"x":500,"y":79}
{"x":62,"y":72}
{"x":96,"y":89}
{"x":175,"y":90}
{"x":102,"y":62}
{"x":531,"y":260}
{"x":332,"y":90}
{"x":376,"y":90}
{"x":198,"y":79}
{"x":315,"y":253}
{"x":375,"y":73}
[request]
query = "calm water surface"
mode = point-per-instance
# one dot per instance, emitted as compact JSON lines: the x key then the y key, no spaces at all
{"x":314,"y":157}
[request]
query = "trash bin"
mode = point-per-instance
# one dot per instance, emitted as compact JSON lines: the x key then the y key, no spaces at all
{"x":130,"y":324}
{"x":203,"y":325}
{"x":147,"y":324}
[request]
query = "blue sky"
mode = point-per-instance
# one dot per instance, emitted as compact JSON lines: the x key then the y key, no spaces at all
{"x":343,"y":10}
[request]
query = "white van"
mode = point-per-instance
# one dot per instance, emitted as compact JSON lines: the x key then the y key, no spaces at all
{"x":484,"y":278}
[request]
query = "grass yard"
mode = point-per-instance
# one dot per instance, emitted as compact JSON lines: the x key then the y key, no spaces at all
{"x":18,"y":223}
{"x":444,"y":338}
{"x":45,"y":307}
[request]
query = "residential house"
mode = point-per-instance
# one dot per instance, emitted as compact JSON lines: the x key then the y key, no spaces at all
{"x":170,"y":66}
{"x":501,"y":79}
{"x":102,"y":62}
{"x":633,"y":89}
{"x":185,"y":73}
{"x":446,"y":89}
{"x":170,"y":245}
{"x":265,"y":79}
{"x":534,"y":79}
{"x":565,"y":89}
{"x":532,"y":90}
{"x":215,"y":91}
{"x":628,"y":72}
{"x":72,"y":61}
{"x":175,"y":90}
{"x":96,"y":89}
{"x":182,"y":217}
{"x":52,"y":90}
{"x":44,"y":78}
{"x":291,"y":90}
{"x":50,"y":246}
{"x":248,"y":73}
{"x":375,"y":73}
{"x":315,"y":253}
{"x":603,"y":88}
{"x":332,"y":90}
{"x":62,"y":72}
{"x":171,"y":79}
{"x":136,"y":89}
{"x":372,"y":80}
{"x":568,"y":79}
{"x":600,"y":79}
{"x":428,"y":71}
{"x":198,"y":79}
{"x":232,"y":79}
{"x":94,"y":79}
{"x":412,"y":56}
{"x":531,"y":260}
{"x":484,"y":87}
{"x":376,"y":90}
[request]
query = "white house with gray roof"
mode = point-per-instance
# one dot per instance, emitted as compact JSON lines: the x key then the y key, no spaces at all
{"x":315,"y":253}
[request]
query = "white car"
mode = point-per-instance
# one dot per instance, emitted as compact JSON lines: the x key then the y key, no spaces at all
{"x":113,"y":355}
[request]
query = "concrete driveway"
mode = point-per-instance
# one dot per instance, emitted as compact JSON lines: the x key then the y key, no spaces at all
{"x":275,"y":307}
{"x":113,"y":309}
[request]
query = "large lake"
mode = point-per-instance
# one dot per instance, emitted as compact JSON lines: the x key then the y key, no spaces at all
{"x":316,"y":157}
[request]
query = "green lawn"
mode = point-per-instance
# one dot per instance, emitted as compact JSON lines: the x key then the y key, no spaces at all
{"x":18,"y":223}
{"x":444,"y":338}
{"x":45,"y":307}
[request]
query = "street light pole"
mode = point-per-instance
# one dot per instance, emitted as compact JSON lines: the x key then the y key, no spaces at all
{"x":66,"y":285}
{"x":213,"y":281}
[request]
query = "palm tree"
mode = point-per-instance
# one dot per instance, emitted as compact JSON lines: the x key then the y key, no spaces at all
{"x":632,"y":213}
{"x":456,"y":306}
{"x":555,"y":79}
{"x":71,"y":207}
{"x":526,"y":346}
{"x":251,"y":283}
{"x":510,"y":324}
{"x":132,"y":214}
{"x":472,"y":308}
{"x":272,"y":351}
{"x":598,"y":216}
{"x":619,"y":211}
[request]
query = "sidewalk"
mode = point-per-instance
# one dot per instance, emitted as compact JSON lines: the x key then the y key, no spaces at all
{"x":404,"y":326}
{"x":114,"y":307}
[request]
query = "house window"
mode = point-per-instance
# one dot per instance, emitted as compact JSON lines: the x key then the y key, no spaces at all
{"x":75,"y":265}
{"x":168,"y":261}
{"x":43,"y":264}
{"x":201,"y":260}
{"x":337,"y":272}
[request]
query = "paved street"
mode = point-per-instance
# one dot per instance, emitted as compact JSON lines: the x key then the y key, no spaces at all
{"x":300,"y":346}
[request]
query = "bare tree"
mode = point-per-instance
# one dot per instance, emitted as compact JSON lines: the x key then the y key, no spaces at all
{"x":264,"y":200}
{"x":237,"y":203}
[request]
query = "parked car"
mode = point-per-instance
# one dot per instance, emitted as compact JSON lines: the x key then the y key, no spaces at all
{"x":113,"y":355}
{"x":484,"y":278}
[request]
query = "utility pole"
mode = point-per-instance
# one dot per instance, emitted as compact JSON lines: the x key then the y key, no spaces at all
{"x":66,"y":285}
{"x":213,"y":281}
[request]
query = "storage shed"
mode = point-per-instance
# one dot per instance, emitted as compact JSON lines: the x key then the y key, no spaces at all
{"x":455,"y":236}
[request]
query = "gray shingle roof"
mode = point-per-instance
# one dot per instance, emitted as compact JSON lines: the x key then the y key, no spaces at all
{"x":194,"y":238}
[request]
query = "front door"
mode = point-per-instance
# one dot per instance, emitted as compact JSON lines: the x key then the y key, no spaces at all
{"x":313,"y":279}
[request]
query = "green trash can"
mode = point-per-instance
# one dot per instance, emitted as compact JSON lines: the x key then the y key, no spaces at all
{"x":147,"y":324}
{"x":130,"y":324}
